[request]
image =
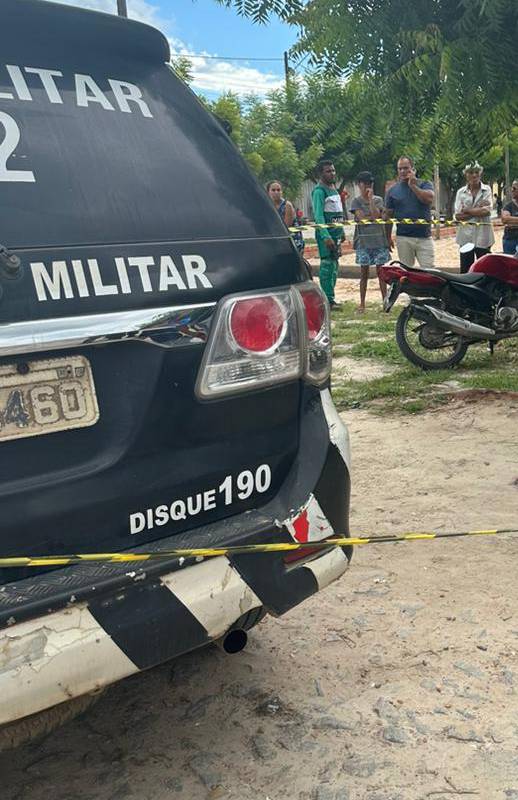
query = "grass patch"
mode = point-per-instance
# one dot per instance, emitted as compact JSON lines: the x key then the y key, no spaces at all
{"x":408,"y":389}
{"x":349,"y":327}
{"x":386,"y":350}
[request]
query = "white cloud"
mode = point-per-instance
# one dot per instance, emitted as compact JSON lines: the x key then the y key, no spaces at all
{"x":223,"y":76}
{"x":209,"y":75}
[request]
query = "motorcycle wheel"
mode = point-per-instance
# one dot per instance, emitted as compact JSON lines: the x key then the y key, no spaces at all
{"x":424,"y":345}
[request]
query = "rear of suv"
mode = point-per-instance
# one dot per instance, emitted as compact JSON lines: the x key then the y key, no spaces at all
{"x":164,"y":368}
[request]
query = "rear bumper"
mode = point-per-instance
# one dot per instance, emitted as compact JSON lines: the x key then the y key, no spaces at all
{"x":51,"y":659}
{"x":79,"y":628}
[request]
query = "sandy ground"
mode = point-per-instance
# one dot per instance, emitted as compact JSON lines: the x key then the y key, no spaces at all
{"x":399,"y":682}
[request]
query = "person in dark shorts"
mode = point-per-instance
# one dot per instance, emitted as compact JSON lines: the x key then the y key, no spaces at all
{"x":510,"y":220}
{"x":370,"y":240}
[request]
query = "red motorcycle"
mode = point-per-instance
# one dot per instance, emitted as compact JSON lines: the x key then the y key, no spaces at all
{"x":449,"y":312}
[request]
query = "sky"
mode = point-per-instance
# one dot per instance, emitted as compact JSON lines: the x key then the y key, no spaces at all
{"x":204,"y":27}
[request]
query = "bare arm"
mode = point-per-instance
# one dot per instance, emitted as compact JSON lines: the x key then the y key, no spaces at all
{"x":459,"y":208}
{"x":480,"y":211}
{"x":388,"y":233}
{"x":289,"y":214}
{"x":387,"y":213}
{"x":477,"y":211}
{"x":359,"y":214}
{"x":373,"y":213}
{"x":509,"y":220}
{"x":424,"y":195}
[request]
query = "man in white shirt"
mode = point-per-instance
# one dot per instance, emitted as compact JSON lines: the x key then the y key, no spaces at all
{"x":473,"y":204}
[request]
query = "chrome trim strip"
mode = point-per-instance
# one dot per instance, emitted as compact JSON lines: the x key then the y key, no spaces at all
{"x":166,"y":327}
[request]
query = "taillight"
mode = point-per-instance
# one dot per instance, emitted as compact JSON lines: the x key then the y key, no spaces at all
{"x":258,"y":324}
{"x":315,"y":307}
{"x":255,"y":341}
{"x":318,"y":326}
{"x":267,"y":338}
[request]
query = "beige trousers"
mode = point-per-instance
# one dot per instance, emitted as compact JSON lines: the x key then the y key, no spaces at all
{"x":410,"y":248}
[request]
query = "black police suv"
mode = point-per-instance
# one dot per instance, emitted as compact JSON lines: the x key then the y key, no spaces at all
{"x":164,"y":368}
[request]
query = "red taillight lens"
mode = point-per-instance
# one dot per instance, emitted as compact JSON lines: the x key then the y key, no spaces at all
{"x":314,"y":304}
{"x":257,"y":324}
{"x":265,"y":339}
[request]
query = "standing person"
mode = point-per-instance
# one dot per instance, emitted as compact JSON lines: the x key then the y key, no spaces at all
{"x":510,"y":220}
{"x":498,"y":204}
{"x":473,"y":203}
{"x":370,"y":240}
{"x":411,"y":198}
{"x":328,"y":208}
{"x":286,"y":212}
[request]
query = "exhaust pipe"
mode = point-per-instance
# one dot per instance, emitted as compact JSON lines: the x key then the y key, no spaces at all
{"x":234,"y":641}
{"x":461,"y":326}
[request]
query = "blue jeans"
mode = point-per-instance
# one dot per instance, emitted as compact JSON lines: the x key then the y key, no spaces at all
{"x":510,"y":246}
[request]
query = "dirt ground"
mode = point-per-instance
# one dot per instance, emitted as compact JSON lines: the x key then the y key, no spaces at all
{"x":399,"y":682}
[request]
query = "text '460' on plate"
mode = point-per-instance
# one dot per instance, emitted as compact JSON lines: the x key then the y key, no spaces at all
{"x":38,"y":397}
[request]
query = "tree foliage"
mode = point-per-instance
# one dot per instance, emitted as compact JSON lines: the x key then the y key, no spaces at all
{"x":431,"y":78}
{"x":355,"y":124}
{"x":183,"y":68}
{"x":432,"y":57}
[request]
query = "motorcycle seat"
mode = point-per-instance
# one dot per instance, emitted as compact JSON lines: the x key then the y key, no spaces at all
{"x":467,"y":278}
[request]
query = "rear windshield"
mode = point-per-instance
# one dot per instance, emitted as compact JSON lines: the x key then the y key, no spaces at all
{"x":101,"y":143}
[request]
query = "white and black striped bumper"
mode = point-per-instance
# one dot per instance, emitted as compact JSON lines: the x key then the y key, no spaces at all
{"x":74,"y":630}
{"x":51,"y":659}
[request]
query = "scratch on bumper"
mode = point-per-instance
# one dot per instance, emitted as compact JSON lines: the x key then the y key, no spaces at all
{"x":65,"y":654}
{"x":53,"y":658}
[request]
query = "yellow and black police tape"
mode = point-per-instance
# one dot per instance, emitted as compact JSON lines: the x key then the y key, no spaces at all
{"x":447,"y":223}
{"x":234,"y":550}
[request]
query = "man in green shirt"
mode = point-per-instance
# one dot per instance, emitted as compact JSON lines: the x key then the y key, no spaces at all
{"x":327,"y":208}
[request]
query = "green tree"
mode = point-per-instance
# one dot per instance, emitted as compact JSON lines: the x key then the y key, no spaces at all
{"x":183,"y":68}
{"x":429,"y":56}
{"x":357,"y":123}
{"x":281,"y":162}
{"x":263,"y":132}
{"x":228,"y":110}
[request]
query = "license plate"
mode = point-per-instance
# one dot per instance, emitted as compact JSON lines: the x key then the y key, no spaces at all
{"x":38,"y":397}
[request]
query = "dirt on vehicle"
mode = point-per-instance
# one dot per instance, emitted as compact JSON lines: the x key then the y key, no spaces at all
{"x":399,"y":682}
